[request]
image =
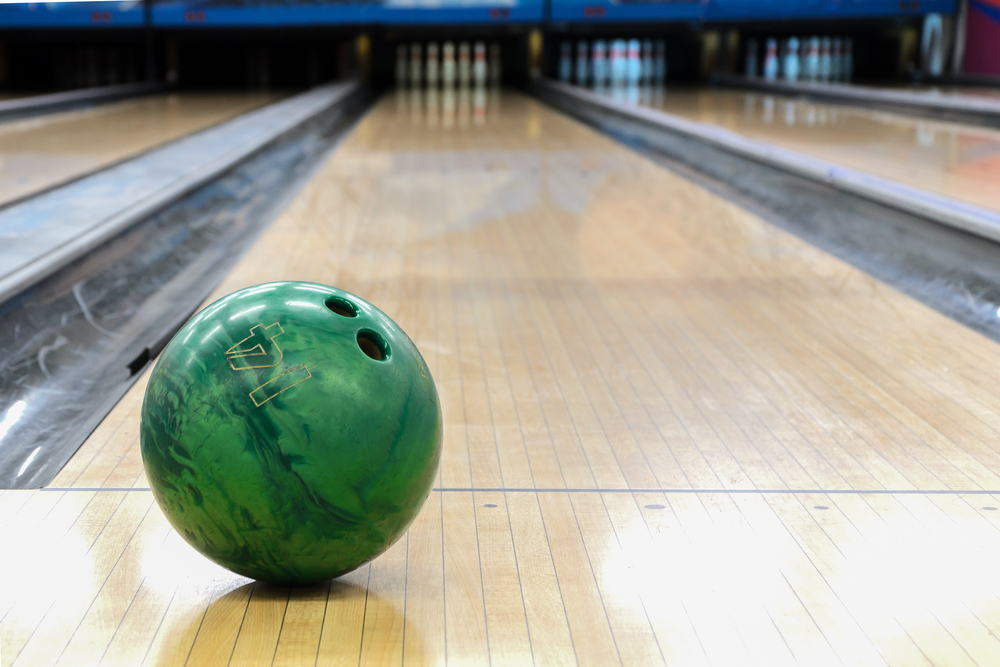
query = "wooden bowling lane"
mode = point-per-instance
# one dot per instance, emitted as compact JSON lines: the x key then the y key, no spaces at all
{"x":950,"y":159}
{"x":43,"y":151}
{"x":674,"y":434}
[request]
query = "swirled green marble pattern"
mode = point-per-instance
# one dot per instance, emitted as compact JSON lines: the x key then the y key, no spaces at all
{"x":291,"y":432}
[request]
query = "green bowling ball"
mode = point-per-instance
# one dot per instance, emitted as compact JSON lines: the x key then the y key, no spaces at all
{"x":291,"y":432}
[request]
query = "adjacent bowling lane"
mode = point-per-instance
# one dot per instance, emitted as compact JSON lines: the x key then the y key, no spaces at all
{"x":950,"y":159}
{"x":40,"y":152}
{"x":669,"y":437}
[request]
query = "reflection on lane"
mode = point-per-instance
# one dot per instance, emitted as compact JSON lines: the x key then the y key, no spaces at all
{"x":950,"y":159}
{"x":448,"y":107}
{"x":959,"y":92}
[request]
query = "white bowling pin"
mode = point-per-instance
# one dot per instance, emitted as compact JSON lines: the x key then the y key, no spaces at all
{"x":633,"y":62}
{"x":619,"y":64}
{"x":647,"y":61}
{"x":496,"y":65}
{"x":401,"y":65}
{"x":565,"y":61}
{"x":581,"y":63}
{"x":932,"y":45}
{"x":479,"y":68}
{"x":812,"y":59}
{"x":464,"y":64}
{"x":771,"y":60}
{"x":825,"y":61}
{"x":750,"y":65}
{"x":416,"y":63}
{"x":599,"y":62}
{"x":659,"y":62}
{"x":433,"y":65}
{"x":448,"y":64}
{"x":791,"y":68}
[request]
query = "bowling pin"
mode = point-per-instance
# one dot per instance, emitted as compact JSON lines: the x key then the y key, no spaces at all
{"x":433,"y":65}
{"x":565,"y":62}
{"x":599,"y":63}
{"x":619,"y":64}
{"x":932,"y":45}
{"x":401,"y":65}
{"x":659,"y":62}
{"x":791,"y":68}
{"x":825,"y":62}
{"x":496,"y":66}
{"x":581,"y":63}
{"x":416,"y":63}
{"x":847,"y":62}
{"x":479,"y":68}
{"x":647,"y":62}
{"x":464,"y":64}
{"x":837,"y":59}
{"x":750,"y":65}
{"x":448,"y":64}
{"x":633,"y":63}
{"x":771,"y":60}
{"x":812,"y":59}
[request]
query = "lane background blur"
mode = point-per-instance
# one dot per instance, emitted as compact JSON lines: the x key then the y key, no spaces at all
{"x":286,"y":44}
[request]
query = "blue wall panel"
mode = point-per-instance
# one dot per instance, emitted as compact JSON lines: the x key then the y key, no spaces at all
{"x":261,"y":13}
{"x":72,"y":15}
{"x":595,"y":11}
{"x":193,"y":14}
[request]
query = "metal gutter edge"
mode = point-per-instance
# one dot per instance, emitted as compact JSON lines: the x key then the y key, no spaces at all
{"x":847,"y":94}
{"x":47,"y":264}
{"x":37,"y":104}
{"x":950,"y":212}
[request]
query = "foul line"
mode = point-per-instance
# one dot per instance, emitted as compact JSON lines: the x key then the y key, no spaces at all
{"x":890,"y":492}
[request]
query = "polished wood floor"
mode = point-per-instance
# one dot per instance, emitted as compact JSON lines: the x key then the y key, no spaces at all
{"x":43,"y":151}
{"x":949,"y":159}
{"x":674,"y":434}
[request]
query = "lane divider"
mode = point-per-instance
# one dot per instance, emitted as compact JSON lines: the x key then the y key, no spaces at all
{"x":43,"y":234}
{"x":956,"y":104}
{"x":38,"y":104}
{"x":937,"y":208}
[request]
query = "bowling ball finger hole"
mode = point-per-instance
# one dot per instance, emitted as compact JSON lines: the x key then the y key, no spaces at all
{"x":342,"y":306}
{"x":373,"y":345}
